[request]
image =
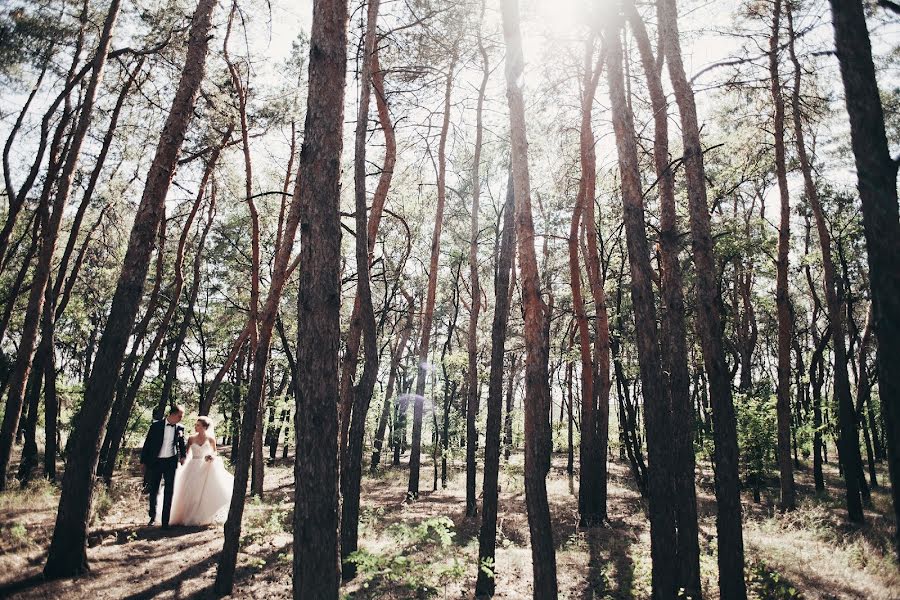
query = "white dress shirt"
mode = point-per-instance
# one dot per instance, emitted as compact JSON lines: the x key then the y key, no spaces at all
{"x":167,"y":450}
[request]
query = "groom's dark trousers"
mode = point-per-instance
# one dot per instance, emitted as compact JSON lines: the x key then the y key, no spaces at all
{"x":162,"y":470}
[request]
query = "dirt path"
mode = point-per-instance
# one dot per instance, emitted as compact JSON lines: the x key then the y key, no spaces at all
{"x":427,"y":549}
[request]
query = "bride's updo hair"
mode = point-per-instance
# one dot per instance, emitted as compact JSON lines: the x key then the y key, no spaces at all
{"x":206,"y":421}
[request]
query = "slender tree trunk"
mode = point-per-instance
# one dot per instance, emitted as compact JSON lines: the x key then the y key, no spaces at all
{"x":510,"y":402}
{"x":67,"y":555}
{"x":354,"y":335}
{"x":316,"y":565}
{"x":487,"y":537}
{"x":51,"y":219}
{"x":674,"y":331}
{"x":877,"y":174}
{"x":725,"y":455}
{"x":389,"y":394}
{"x":538,"y":440}
{"x":415,"y":457}
{"x":591,"y":497}
{"x":657,"y":414}
{"x":184,"y":325}
{"x":475,"y":290}
{"x":117,"y":426}
{"x":782,"y":301}
{"x":351,"y":460}
{"x":250,"y":430}
{"x":849,"y":437}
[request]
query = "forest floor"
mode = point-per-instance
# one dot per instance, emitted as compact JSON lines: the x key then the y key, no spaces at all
{"x":427,"y":549}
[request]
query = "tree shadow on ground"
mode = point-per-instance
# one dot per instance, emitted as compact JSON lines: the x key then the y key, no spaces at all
{"x":143,"y":533}
{"x":609,"y":548}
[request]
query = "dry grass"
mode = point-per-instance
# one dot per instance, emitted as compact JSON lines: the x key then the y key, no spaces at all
{"x":811,"y":550}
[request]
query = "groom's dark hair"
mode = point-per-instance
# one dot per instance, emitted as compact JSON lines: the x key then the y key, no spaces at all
{"x":176,"y":409}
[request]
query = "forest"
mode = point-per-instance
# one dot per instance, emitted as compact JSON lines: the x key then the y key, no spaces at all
{"x":542,"y":299}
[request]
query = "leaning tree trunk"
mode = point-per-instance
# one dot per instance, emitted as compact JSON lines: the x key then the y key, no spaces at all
{"x":656,"y":410}
{"x":592,"y":463}
{"x":351,"y":461}
{"x":379,"y":198}
{"x":378,"y":444}
{"x":51,"y":219}
{"x":596,"y":278}
{"x":188,"y":316}
{"x":67,"y":555}
{"x":538,"y":438}
{"x":316,"y":564}
{"x":224,"y":583}
{"x":475,"y":290}
{"x":487,"y":536}
{"x":674,"y":331}
{"x":782,"y":301}
{"x":725,"y":454}
{"x":415,"y":456}
{"x":849,"y":437}
{"x":117,"y":425}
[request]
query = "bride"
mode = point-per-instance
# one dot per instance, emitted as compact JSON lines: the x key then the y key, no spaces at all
{"x":202,"y":486}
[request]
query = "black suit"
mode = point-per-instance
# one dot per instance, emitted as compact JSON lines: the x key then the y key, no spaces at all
{"x":159,"y":469}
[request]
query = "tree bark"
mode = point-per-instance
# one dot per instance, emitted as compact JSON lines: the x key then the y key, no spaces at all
{"x":67,"y":555}
{"x":674,"y":330}
{"x":487,"y":536}
{"x":656,"y":409}
{"x":538,"y":438}
{"x":250,"y":431}
{"x":354,"y":335}
{"x":351,"y":460}
{"x":316,"y":564}
{"x":877,"y":177}
{"x":591,"y":457}
{"x":782,"y":301}
{"x":472,"y":400}
{"x":725,"y":454}
{"x":415,"y":458}
{"x":849,"y":436}
{"x":51,"y":219}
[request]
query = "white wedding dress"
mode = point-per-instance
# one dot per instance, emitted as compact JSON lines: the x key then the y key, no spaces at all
{"x":202,"y":488}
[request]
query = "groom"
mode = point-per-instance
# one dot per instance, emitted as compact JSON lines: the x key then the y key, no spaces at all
{"x":163,"y":449}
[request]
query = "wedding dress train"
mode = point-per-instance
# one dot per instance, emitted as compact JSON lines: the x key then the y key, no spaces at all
{"x":202,"y":488}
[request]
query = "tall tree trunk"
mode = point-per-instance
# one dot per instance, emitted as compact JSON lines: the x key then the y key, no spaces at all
{"x":656,"y":409}
{"x":250,"y":430}
{"x":351,"y":460}
{"x":487,"y":536}
{"x":538,"y":438}
{"x":475,"y":289}
{"x":591,"y":463}
{"x":877,"y":175}
{"x":782,"y":300}
{"x":725,"y":455}
{"x":415,"y":458}
{"x":187,"y":317}
{"x":51,"y":219}
{"x":67,"y":555}
{"x":510,"y":402}
{"x":316,"y":565}
{"x":849,"y":437}
{"x":117,"y":425}
{"x":389,"y":393}
{"x":379,"y":198}
{"x":674,"y":329}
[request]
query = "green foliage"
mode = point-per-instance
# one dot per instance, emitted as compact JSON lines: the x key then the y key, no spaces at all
{"x":768,"y":584}
{"x":264,"y":521}
{"x":409,"y":567}
{"x":756,"y":430}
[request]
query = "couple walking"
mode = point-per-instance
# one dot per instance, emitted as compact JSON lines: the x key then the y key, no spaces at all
{"x":197,"y":491}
